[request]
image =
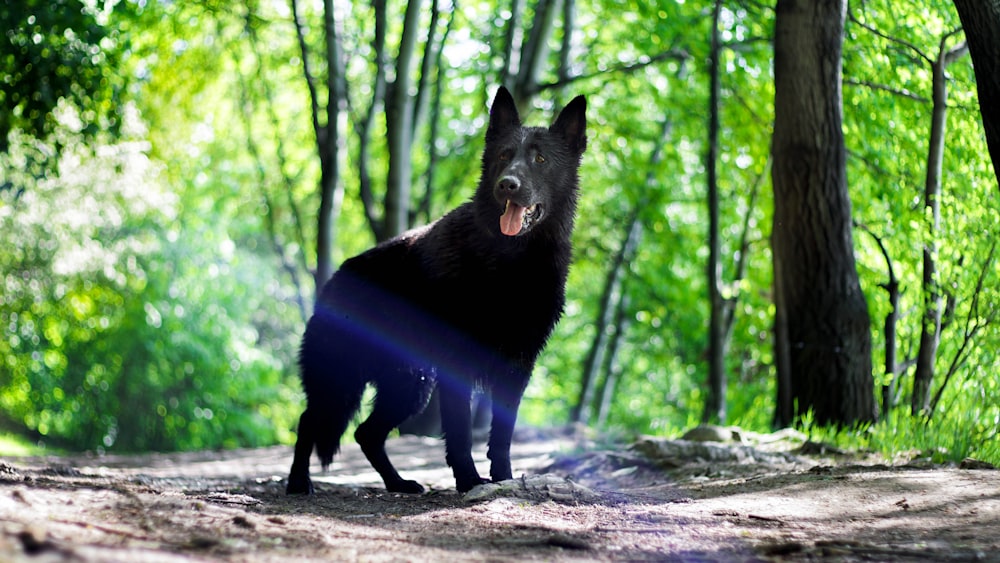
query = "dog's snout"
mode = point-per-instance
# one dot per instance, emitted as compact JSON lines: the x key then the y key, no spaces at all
{"x":509,"y":184}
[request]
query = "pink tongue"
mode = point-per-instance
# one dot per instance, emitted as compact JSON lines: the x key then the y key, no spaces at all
{"x":510,"y":221}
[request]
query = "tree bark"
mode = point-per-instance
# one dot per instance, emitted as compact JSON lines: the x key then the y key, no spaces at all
{"x":328,"y":137}
{"x":512,"y":43}
{"x":424,"y":207}
{"x":613,"y":369}
{"x":534,"y":52}
{"x":981,"y":21}
{"x":822,"y":321}
{"x":399,"y":119}
{"x":715,"y":402}
{"x":610,"y":299}
{"x":364,"y":126}
{"x":930,"y":329}
{"x":889,"y":326}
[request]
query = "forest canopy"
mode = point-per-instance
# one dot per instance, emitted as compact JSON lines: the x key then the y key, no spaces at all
{"x":177,"y":177}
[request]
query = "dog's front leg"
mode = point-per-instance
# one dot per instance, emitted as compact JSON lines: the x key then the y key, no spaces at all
{"x":506,"y":397}
{"x":456,"y":421}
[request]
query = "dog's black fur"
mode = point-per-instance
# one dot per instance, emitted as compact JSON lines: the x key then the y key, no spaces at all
{"x":468,"y":301}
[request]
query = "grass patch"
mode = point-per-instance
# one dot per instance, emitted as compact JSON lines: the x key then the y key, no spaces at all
{"x":948,"y":439}
{"x":15,"y":446}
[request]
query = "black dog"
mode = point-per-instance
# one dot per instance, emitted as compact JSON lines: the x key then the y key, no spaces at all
{"x":466,"y":302}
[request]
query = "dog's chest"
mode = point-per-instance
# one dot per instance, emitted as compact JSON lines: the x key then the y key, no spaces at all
{"x":497,"y":299}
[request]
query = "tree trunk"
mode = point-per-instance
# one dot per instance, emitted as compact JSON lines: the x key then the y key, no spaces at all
{"x":981,"y":21}
{"x":328,"y":137}
{"x":423,"y":208}
{"x":364,"y":126}
{"x":609,"y":299}
{"x":822,"y":321}
{"x":566,"y":44}
{"x":889,"y":389}
{"x":612,"y":288}
{"x":399,"y":121}
{"x":889,"y":327}
{"x":930,"y":330}
{"x":715,"y":402}
{"x":613,"y":369}
{"x":512,"y":43}
{"x":534,"y":52}
{"x":428,"y":62}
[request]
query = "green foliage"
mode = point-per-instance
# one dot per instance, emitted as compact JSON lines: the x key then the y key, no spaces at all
{"x":54,"y":52}
{"x":124,"y":331}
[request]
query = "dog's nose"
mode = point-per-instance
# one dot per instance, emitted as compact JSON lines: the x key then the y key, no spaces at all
{"x":509,"y":184}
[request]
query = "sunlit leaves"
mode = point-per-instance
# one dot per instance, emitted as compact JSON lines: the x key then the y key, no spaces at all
{"x":53,"y":52}
{"x":887,"y":123}
{"x":122,"y":333}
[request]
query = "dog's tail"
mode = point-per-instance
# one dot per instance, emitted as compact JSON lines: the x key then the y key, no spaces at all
{"x":334,"y":385}
{"x":332,"y":410}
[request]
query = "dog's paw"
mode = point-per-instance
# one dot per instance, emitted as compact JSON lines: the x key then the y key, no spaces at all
{"x":298,"y":485}
{"x":465,"y":485}
{"x":403,"y":486}
{"x":498,"y":476}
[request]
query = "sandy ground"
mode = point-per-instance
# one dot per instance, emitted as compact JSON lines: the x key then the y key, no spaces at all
{"x":752,"y":500}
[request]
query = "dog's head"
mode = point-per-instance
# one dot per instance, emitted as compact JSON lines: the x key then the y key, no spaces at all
{"x":530,"y":173}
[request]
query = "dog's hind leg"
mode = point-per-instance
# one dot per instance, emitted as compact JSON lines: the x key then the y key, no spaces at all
{"x":395,"y":401}
{"x":299,"y":482}
{"x":329,"y":409}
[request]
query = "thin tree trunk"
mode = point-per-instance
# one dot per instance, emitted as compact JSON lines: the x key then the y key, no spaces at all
{"x":427,"y":65}
{"x":598,"y":349}
{"x":722,"y":309}
{"x":981,"y":21}
{"x":424,"y":208}
{"x":332,"y":193}
{"x":889,"y":326}
{"x":612,"y":294}
{"x":328,"y":138}
{"x":715,"y":402}
{"x":613,"y":369}
{"x":364,"y":127}
{"x":534,"y":51}
{"x":399,"y":120}
{"x":566,"y":45}
{"x":512,"y":43}
{"x":822,"y":321}
{"x":930,"y":330}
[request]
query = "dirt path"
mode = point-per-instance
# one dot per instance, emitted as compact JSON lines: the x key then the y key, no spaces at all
{"x":657,"y":500}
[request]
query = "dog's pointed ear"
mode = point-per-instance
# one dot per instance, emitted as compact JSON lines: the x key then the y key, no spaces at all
{"x":503,"y":113}
{"x":572,"y":124}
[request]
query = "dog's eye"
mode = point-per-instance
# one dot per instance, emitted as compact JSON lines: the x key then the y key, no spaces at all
{"x":539,"y":158}
{"x":504,"y":156}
